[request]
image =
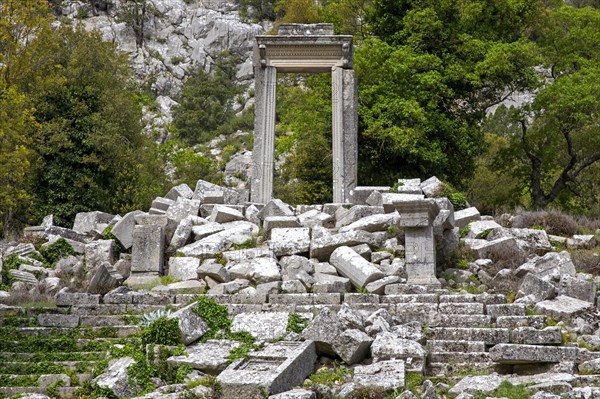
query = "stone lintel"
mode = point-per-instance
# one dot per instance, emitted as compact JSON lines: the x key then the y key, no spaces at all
{"x":304,"y":53}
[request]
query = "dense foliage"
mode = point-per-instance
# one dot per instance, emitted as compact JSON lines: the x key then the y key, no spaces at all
{"x":71,"y":132}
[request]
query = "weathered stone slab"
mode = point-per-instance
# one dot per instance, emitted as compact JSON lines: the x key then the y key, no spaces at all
{"x":183,"y":208}
{"x":295,"y":394}
{"x":218,"y":242}
{"x":275,"y":369}
{"x":522,"y":354}
{"x":181,"y":235}
{"x":116,"y":377}
{"x":378,"y":286}
{"x":275,"y":207}
{"x":123,"y":229}
{"x":533,"y":336}
{"x":482,"y":229}
{"x":563,"y":307}
{"x":536,"y":287}
{"x":577,"y":287}
{"x":105,"y":279}
{"x":390,"y":200}
{"x":161,"y":205}
{"x":58,"y":320}
{"x":264,"y":326}
{"x":86,"y":222}
{"x":191,"y":325}
{"x":208,"y":357}
{"x":315,"y":217}
{"x":491,"y":336}
{"x":214,"y":270}
{"x":259,"y":270}
{"x":148,"y":249}
{"x":273,"y":222}
{"x":225,"y":214}
{"x":182,"y":190}
{"x":550,"y":266}
{"x":184,"y":267}
{"x":322,"y":247}
{"x":387,"y":375}
{"x":353,"y":266}
{"x":474,"y":384}
{"x":330,"y":283}
{"x":377,"y":222}
{"x":361,"y":193}
{"x":290,"y":241}
{"x":387,"y":346}
{"x":97,"y":252}
{"x":356,"y":213}
{"x":506,"y":309}
{"x":182,"y":287}
{"x":77,"y":299}
{"x":465,"y":216}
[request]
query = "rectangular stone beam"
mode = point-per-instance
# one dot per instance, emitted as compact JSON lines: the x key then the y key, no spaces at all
{"x":264,"y":134}
{"x":345,"y":133}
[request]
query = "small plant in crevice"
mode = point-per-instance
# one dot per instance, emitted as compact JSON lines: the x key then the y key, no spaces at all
{"x":163,"y":331}
{"x":56,"y":251}
{"x":296,"y":323}
{"x":338,"y":374}
{"x":149,"y":318}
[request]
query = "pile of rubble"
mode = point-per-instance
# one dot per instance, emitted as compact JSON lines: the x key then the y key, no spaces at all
{"x":366,"y":278}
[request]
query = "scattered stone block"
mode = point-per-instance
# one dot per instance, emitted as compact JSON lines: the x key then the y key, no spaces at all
{"x":587,"y":241}
{"x":191,"y":325}
{"x":275,"y":369}
{"x":184,"y":267}
{"x":378,"y":286}
{"x":290,"y":241}
{"x":549,"y":267}
{"x":390,"y":200}
{"x":356,"y":213}
{"x":272,"y":222}
{"x":372,"y":223}
{"x":116,"y":377}
{"x":230,"y":287}
{"x":386,"y":375}
{"x":209,"y":357}
{"x":259,"y":270}
{"x":182,"y":287}
{"x":148,"y":249}
{"x":353,"y":266}
{"x":181,"y":235}
{"x":183,"y":208}
{"x":264,"y":326}
{"x":275,"y":207}
{"x":209,"y":246}
{"x":123,"y":229}
{"x":77,"y":299}
{"x":327,"y":283}
{"x":180,"y":191}
{"x":214,"y":270}
{"x":161,"y":204}
{"x":322,"y":247}
{"x":433,"y":187}
{"x":474,"y":384}
{"x":97,"y":252}
{"x":577,"y":287}
{"x":105,"y":279}
{"x":225,"y":214}
{"x":466,"y":216}
{"x":206,"y":230}
{"x":314,"y":217}
{"x":563,"y":307}
{"x":540,"y":289}
{"x":483,"y":229}
{"x":86,"y":222}
{"x":523,"y":354}
{"x":295,"y":394}
{"x":388,"y":345}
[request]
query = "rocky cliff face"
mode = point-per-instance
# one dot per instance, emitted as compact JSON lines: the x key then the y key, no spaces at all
{"x":177,"y":35}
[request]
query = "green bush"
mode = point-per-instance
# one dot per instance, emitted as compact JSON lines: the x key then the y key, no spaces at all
{"x":162,"y":331}
{"x":56,"y":251}
{"x":296,"y":323}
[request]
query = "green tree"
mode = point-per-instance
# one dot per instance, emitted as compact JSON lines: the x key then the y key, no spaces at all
{"x":16,"y":127}
{"x":136,"y":13}
{"x":428,"y":78}
{"x":206,"y":100}
{"x":557,"y":142}
{"x":90,"y":153}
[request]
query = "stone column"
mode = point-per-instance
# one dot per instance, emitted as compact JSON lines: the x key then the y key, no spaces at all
{"x":264,"y":134}
{"x":416,"y":217}
{"x":344,"y":101}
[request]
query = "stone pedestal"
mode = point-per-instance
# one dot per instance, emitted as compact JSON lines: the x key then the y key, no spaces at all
{"x":416,"y":217}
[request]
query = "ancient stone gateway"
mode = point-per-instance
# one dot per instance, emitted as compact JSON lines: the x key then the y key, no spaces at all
{"x":313,"y":49}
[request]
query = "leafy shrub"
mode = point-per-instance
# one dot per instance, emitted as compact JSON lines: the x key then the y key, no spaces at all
{"x":162,"y":331}
{"x":296,"y":323}
{"x":329,"y":376}
{"x":11,"y":262}
{"x":215,"y":316}
{"x":56,"y":251}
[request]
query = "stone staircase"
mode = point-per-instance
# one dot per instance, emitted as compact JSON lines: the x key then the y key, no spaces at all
{"x":463,"y":333}
{"x":54,"y":351}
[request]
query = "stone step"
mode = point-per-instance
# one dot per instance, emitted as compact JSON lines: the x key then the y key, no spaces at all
{"x":18,"y":311}
{"x":455,"y":346}
{"x":536,"y":321}
{"x":464,"y":320}
{"x":52,"y":345}
{"x":55,"y":367}
{"x":51,"y":356}
{"x":468,"y":308}
{"x":459,"y":357}
{"x":446,"y":369}
{"x":63,"y":392}
{"x":118,"y":331}
{"x":507,"y":309}
{"x":490,"y":336}
{"x":524,"y":354}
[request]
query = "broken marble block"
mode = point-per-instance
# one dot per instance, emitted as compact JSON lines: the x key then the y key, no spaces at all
{"x":353,"y":266}
{"x":86,"y":222}
{"x":386,"y":375}
{"x":388,"y":345}
{"x":290,"y":241}
{"x":184,"y":267}
{"x":123,"y":229}
{"x":265,"y":326}
{"x":105,"y":279}
{"x":183,"y":208}
{"x":116,"y":377}
{"x":148,"y":249}
{"x":276,"y":368}
{"x":209,"y":357}
{"x":563,"y":307}
{"x":273,"y":222}
{"x":191,"y":325}
{"x":465,"y":216}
